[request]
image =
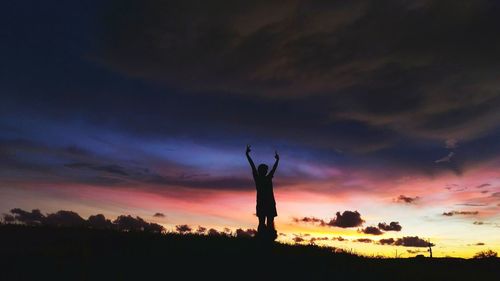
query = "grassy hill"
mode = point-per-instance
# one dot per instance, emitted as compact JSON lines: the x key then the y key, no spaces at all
{"x":44,"y":253}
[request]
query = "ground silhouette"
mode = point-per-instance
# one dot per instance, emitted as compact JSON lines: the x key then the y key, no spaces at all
{"x":71,"y":253}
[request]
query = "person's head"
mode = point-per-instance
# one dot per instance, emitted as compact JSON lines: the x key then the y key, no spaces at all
{"x":262,"y":169}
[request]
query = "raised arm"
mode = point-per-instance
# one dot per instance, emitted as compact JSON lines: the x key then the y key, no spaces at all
{"x":254,"y":170}
{"x":277,"y":157}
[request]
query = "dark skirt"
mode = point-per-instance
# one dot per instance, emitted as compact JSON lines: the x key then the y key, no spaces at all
{"x":266,"y":209}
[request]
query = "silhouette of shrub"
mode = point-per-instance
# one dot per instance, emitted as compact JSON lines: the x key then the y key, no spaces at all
{"x":246,"y":233}
{"x":64,"y":218}
{"x":487,"y":254}
{"x":183,"y":228}
{"x":35,"y":217}
{"x":99,"y":222}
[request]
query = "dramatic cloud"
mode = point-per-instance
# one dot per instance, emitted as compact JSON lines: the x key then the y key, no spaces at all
{"x":392,"y":226}
{"x":344,"y":63}
{"x":372,"y":230}
{"x":346,"y":219}
{"x":407,"y":241}
{"x":183,"y":228}
{"x":159,"y":215}
{"x":465,"y":213}
{"x":406,"y":199}
{"x":412,"y":241}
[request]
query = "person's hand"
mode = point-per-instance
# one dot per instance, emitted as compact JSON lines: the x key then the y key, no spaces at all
{"x":276,"y":156}
{"x":248,"y":149}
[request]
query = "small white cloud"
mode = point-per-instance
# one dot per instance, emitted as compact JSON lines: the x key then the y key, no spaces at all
{"x":446,"y":158}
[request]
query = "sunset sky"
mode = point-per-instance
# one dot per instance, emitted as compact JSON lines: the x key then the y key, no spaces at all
{"x":387,"y":108}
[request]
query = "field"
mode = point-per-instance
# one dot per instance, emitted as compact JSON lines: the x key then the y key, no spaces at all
{"x":45,"y":253}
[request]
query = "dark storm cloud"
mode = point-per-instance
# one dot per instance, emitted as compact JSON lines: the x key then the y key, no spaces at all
{"x":345,"y":220}
{"x":402,"y":72}
{"x":407,"y":241}
{"x":320,"y":76}
{"x":412,"y":241}
{"x":371,"y":230}
{"x":392,"y":226}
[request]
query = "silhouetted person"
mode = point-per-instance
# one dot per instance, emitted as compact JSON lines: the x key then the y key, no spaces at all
{"x":266,"y":205}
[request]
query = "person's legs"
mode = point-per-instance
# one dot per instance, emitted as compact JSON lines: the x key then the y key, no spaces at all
{"x":262,"y":224}
{"x":270,"y":228}
{"x":270,"y":222}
